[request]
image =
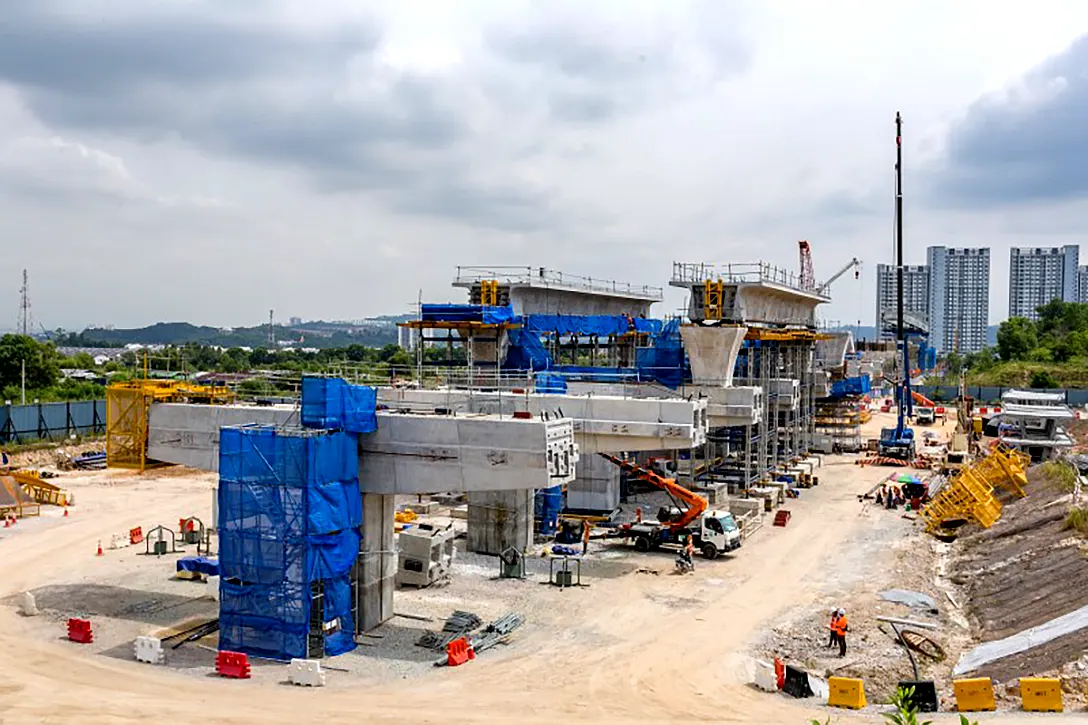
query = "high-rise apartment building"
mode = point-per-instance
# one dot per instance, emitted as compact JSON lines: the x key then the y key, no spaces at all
{"x":915,"y":295}
{"x":1082,"y":284}
{"x":1038,"y":275}
{"x":959,"y":298}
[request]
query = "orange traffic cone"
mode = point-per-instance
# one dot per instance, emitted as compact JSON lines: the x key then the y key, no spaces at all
{"x":7,"y":523}
{"x":65,"y":512}
{"x":99,"y":548}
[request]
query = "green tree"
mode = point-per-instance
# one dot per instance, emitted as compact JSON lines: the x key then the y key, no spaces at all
{"x":1043,"y":379}
{"x":954,"y":363}
{"x":1016,"y":338}
{"x":41,"y":360}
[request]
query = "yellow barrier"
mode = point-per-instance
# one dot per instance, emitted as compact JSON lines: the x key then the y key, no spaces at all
{"x":1041,"y":694}
{"x":974,"y":694}
{"x":845,"y":692}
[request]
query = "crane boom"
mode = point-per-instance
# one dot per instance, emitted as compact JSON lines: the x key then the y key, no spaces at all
{"x":855,"y":263}
{"x":696,"y":504}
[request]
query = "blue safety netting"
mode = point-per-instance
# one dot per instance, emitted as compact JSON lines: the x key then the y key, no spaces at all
{"x":550,"y":383}
{"x":859,"y":385}
{"x":586,"y":325}
{"x":289,"y":517}
{"x":333,"y":404}
{"x":486,"y":314}
{"x":664,"y":361}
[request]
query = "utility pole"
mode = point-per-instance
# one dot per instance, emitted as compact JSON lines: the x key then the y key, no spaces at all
{"x":24,"y":307}
{"x":271,"y":332}
{"x":22,"y":383}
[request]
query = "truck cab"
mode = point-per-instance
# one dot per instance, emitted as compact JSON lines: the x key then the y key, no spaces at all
{"x":718,"y":532}
{"x":924,"y":415}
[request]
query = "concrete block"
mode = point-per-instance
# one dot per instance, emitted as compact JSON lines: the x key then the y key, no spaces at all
{"x":213,"y":588}
{"x":306,"y":673}
{"x":119,"y":541}
{"x":421,"y":508}
{"x":459,"y":512}
{"x":425,"y":556}
{"x":28,"y":607}
{"x":596,"y":486}
{"x":149,"y":649}
{"x":732,"y":406}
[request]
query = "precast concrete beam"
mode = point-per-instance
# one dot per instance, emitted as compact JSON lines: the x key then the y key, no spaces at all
{"x":601,"y":422}
{"x":712,"y":352}
{"x":409,"y":454}
{"x":732,"y":406}
{"x":786,"y":392}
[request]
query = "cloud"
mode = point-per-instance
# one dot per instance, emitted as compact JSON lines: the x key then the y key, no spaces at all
{"x":591,"y":71}
{"x":55,"y":167}
{"x":1025,"y":143}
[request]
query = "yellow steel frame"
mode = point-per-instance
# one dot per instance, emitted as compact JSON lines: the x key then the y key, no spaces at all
{"x":970,"y":493}
{"x":712,"y":299}
{"x":128,"y":406}
{"x":489,"y":292}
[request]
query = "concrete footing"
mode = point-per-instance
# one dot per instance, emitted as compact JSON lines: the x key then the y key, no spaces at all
{"x":596,"y":486}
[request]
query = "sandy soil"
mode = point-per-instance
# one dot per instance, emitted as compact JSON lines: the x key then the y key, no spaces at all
{"x":629,"y":648}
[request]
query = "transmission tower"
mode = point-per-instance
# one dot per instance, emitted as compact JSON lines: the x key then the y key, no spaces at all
{"x":24,"y":307}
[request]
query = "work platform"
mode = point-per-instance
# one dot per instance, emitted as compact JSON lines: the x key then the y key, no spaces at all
{"x":408,"y":454}
{"x":543,"y":291}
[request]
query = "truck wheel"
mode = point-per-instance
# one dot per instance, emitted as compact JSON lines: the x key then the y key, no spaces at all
{"x":642,"y":544}
{"x":710,"y":551}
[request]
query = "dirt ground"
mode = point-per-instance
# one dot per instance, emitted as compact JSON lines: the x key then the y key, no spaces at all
{"x":631,"y":647}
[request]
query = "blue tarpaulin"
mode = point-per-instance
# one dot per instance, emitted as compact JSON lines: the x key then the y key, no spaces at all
{"x":332,"y":404}
{"x":550,"y":383}
{"x":526,"y":352}
{"x":859,"y":385}
{"x":289,"y":517}
{"x":201,"y":564}
{"x":486,"y":314}
{"x":585,"y":325}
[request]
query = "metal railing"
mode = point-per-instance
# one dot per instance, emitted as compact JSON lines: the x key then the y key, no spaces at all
{"x":544,"y":277}
{"x":684,"y":273}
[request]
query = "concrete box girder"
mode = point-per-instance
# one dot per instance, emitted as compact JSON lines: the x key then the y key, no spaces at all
{"x":601,"y":422}
{"x":407,"y":454}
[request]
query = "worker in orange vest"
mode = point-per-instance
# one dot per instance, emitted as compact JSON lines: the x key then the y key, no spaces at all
{"x":585,"y":536}
{"x":841,"y":627}
{"x":833,"y":636}
{"x":689,"y":551}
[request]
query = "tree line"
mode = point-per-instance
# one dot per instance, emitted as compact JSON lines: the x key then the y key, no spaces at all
{"x":43,"y":364}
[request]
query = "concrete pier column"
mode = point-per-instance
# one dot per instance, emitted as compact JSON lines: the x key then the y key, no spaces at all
{"x":498,"y":520}
{"x":596,"y":485}
{"x":376,"y":567}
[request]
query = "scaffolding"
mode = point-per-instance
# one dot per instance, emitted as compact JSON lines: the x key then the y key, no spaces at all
{"x":969,"y":495}
{"x":128,"y":408}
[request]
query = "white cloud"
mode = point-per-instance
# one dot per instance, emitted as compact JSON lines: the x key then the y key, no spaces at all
{"x":334,"y":157}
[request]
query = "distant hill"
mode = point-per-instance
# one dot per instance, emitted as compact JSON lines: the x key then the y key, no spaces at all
{"x":376,"y":332}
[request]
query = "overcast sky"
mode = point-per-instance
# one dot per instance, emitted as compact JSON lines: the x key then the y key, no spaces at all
{"x":204,"y":161}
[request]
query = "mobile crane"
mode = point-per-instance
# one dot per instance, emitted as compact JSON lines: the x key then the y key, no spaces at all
{"x":712,"y":532}
{"x":898,"y":442}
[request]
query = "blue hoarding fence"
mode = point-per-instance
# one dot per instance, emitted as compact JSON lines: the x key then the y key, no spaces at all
{"x":51,"y":421}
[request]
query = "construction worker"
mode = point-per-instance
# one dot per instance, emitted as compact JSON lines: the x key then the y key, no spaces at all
{"x":841,"y":627}
{"x":833,"y":636}
{"x":585,"y":536}
{"x":689,"y":551}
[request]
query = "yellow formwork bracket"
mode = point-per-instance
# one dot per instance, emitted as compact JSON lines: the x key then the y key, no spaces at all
{"x":974,"y":694}
{"x":1041,"y":694}
{"x":846,"y":692}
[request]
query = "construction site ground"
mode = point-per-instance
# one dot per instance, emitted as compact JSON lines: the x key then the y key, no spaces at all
{"x":631,"y":647}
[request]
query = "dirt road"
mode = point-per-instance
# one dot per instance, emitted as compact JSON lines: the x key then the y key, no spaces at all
{"x":674,"y":653}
